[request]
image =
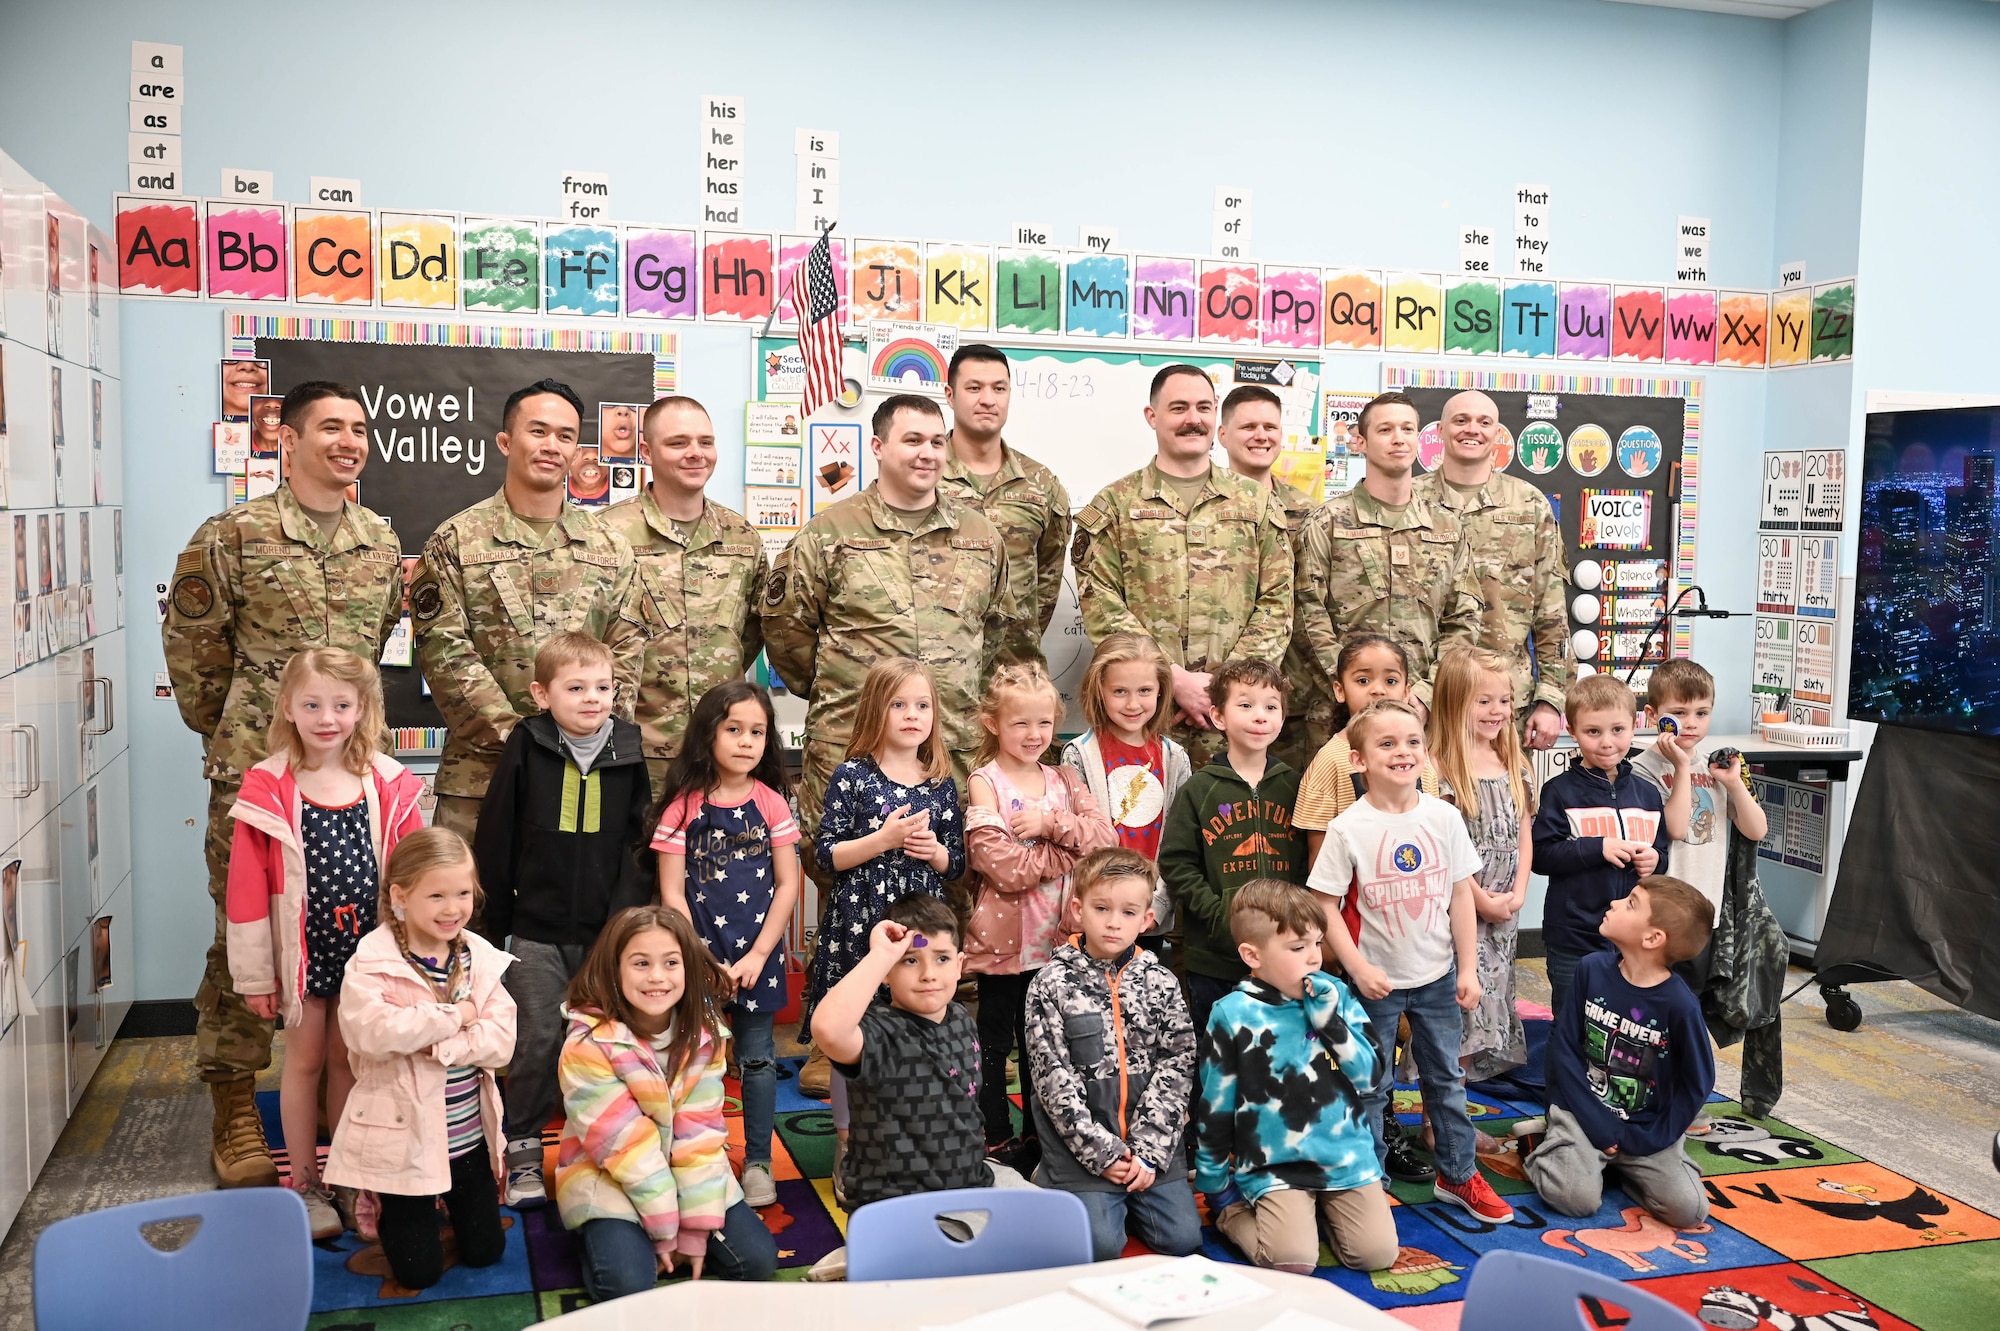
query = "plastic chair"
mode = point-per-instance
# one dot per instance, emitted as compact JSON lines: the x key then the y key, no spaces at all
{"x":247,"y":1266}
{"x":1027,"y":1229}
{"x":1517,"y":1291}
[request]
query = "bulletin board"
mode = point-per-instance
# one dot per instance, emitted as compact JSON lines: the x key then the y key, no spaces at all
{"x":1618,"y":459}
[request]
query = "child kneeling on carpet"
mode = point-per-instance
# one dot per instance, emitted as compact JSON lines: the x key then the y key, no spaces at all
{"x":1629,"y":1064}
{"x":1112,"y":1051}
{"x":642,"y":1173}
{"x":1286,"y":1060}
{"x":426,"y":1021}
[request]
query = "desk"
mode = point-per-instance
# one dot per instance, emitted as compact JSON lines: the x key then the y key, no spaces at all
{"x":715,"y":1305}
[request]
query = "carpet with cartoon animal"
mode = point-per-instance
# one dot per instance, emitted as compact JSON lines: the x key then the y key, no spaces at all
{"x":1802,"y":1235}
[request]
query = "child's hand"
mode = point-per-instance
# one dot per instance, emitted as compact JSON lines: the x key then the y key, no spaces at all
{"x":1031,"y":822}
{"x":922,"y":844}
{"x":1121,"y":1170}
{"x":1493,"y":907}
{"x":1371,"y":980}
{"x":665,"y":1264}
{"x":747,"y":971}
{"x":262,"y":1005}
{"x":1644,"y":858}
{"x":889,"y":939}
{"x":1468,"y":991}
{"x":467,"y":1013}
{"x":1619,"y":851}
{"x":896,"y":828}
{"x":1674,"y":749}
{"x":1142,"y":1176}
{"x":1727,"y":768}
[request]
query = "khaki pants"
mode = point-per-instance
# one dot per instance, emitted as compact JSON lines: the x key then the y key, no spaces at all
{"x":1279,"y":1231}
{"x":231,"y":1041}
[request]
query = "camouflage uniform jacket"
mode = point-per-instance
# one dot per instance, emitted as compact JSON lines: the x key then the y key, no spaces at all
{"x":1297,"y":506}
{"x":694,"y":604}
{"x":488,"y":594}
{"x":1113,"y":1053}
{"x":255,"y":585}
{"x":1517,"y":560}
{"x":1365,"y":569}
{"x":1031,"y":509}
{"x":861,"y":582}
{"x":1209,"y":581}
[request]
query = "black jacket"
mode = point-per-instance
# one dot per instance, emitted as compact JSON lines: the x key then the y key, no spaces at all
{"x":555,"y":861}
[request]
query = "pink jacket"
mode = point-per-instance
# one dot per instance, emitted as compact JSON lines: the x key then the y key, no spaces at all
{"x":1001,"y":868}
{"x":401,"y":1041}
{"x":267,"y":870}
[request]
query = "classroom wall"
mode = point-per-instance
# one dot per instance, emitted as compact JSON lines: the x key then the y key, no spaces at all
{"x":1369,"y":132}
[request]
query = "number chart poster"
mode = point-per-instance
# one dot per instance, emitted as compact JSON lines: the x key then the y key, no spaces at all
{"x":1617,"y":459}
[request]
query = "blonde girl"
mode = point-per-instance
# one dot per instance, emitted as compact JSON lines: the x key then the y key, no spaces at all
{"x":426,"y":1021}
{"x":1026,"y":826}
{"x":890,"y":825}
{"x":313,"y":821}
{"x":1132,"y":769}
{"x":1478,"y":755}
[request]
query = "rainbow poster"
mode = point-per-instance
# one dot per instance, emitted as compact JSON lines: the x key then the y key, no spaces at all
{"x":909,"y":357}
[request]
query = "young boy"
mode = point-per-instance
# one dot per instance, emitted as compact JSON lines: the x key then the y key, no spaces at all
{"x":561,"y":819}
{"x":1684,"y":692}
{"x":1231,"y":823}
{"x":1629,"y":1064}
{"x":1286,"y":1062}
{"x":1113,"y":1057}
{"x":1409,"y":862}
{"x":1600,"y":828}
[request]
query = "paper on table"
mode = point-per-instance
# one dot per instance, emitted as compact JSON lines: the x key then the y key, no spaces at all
{"x":1060,"y":1309}
{"x":1188,"y":1287}
{"x":1293,"y":1320}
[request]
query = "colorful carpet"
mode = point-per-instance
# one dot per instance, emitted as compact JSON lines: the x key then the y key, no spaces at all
{"x":1803,"y":1235}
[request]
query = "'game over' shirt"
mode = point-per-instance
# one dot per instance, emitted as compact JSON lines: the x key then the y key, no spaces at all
{"x":1634,"y":1065}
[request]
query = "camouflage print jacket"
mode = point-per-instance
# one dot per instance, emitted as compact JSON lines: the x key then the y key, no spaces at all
{"x":1113,"y":1052}
{"x":1297,"y":506}
{"x":1209,"y":581}
{"x":861,"y":582}
{"x":695,"y":606}
{"x":1365,"y":569}
{"x":255,"y":585}
{"x":487,"y":595}
{"x":1517,"y":560}
{"x":1031,"y":509}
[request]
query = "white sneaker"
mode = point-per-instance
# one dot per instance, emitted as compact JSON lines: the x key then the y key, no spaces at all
{"x":525,"y":1189}
{"x":758,"y":1188}
{"x":320,"y":1213}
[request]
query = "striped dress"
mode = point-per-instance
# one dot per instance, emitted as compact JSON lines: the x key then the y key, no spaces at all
{"x":464,"y":1131}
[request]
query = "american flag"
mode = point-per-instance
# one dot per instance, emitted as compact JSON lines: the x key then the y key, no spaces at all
{"x":817,"y":302}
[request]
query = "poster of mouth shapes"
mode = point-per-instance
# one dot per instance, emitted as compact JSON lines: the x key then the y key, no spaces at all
{"x":589,"y":481}
{"x":57,"y":434}
{"x":96,"y":437}
{"x":100,"y":953}
{"x":55,"y":284}
{"x":21,"y":575}
{"x":241,"y":381}
{"x":47,"y":566}
{"x":265,"y":413}
{"x":618,"y":431}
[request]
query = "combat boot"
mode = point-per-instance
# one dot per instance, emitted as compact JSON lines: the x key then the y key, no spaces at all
{"x":816,"y":1077}
{"x":240,"y":1155}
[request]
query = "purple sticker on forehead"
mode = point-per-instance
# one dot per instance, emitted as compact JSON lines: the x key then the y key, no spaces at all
{"x":920,"y":941}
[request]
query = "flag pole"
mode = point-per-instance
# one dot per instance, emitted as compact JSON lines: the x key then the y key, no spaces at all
{"x":772,"y":317}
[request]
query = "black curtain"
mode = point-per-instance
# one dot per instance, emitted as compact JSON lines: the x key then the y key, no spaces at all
{"x":1919,"y":886}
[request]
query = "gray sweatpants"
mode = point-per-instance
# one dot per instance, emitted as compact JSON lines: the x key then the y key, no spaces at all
{"x":1569,"y":1174}
{"x":537,"y":981}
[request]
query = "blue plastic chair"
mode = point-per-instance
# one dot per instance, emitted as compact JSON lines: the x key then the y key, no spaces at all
{"x":248,"y":1266}
{"x":1517,"y":1291}
{"x":1027,"y":1229}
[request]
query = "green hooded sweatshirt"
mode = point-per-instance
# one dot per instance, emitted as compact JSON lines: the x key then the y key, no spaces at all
{"x":1219,"y":835}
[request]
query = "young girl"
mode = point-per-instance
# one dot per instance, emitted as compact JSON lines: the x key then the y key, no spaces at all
{"x":1478,"y":754}
{"x":1132,"y":769}
{"x":890,"y":827}
{"x":642,"y":1174}
{"x":1026,"y":826}
{"x":313,"y":821}
{"x":1369,"y":668}
{"x":726,"y":843}
{"x":426,"y":1021}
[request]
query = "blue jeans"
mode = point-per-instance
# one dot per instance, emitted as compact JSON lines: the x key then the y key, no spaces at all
{"x":756,"y":1058}
{"x":1562,"y":973}
{"x":1164,"y":1216}
{"x":1435,"y":1030}
{"x":618,"y":1259}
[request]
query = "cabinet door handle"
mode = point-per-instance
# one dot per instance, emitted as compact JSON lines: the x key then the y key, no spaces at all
{"x":35,"y":750}
{"x":17,"y":785}
{"x":90,"y":684}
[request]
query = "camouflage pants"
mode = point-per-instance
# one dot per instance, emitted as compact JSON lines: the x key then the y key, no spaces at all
{"x":458,"y":812}
{"x":656,"y":772}
{"x":231,"y":1041}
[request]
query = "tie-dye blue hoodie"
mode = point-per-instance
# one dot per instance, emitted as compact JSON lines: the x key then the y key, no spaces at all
{"x":1281,"y":1086}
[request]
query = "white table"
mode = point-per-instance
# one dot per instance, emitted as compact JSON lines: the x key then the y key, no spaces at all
{"x":716,"y":1305}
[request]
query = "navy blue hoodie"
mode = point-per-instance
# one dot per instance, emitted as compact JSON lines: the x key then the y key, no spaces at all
{"x":1580,"y":807}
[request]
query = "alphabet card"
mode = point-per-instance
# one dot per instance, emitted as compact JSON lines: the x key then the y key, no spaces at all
{"x":958,"y":286}
{"x":246,"y":250}
{"x":159,"y":247}
{"x":887,"y":280}
{"x":1413,"y":302}
{"x":659,"y":273}
{"x":1353,"y":309}
{"x":1583,"y":321}
{"x":792,"y":251}
{"x":1472,"y":316}
{"x":1527,"y":319}
{"x":1743,"y":334}
{"x":837,"y":460}
{"x":1229,"y":302}
{"x":580,"y":270}
{"x":500,"y":262}
{"x":333,"y":256}
{"x":1027,"y":291}
{"x":416,"y":260}
{"x":1291,"y":307}
{"x":1163,"y":297}
{"x":1097,"y":294}
{"x":737,"y":269}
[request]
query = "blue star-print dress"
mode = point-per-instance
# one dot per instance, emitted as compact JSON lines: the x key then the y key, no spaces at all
{"x":730,"y":877}
{"x":858,"y":797}
{"x":341,"y":890}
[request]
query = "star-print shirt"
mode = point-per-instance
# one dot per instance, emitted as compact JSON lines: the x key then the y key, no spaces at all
{"x":913,"y":1102}
{"x":341,"y":889}
{"x":731,"y":877}
{"x":1634,"y":1065}
{"x":858,"y":797}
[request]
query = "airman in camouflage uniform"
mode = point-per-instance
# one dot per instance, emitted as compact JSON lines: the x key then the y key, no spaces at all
{"x":694,"y":601}
{"x":253,"y":586}
{"x":1517,"y":561}
{"x":1371,"y":565}
{"x":1208,"y":579}
{"x":1018,"y":495}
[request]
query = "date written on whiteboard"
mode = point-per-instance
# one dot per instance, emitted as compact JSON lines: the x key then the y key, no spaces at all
{"x":1054,"y":384}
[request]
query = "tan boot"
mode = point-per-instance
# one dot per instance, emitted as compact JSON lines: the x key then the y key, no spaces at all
{"x":816,"y":1077}
{"x":241,"y":1158}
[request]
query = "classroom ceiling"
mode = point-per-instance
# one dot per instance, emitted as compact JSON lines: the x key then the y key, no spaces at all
{"x":1779,"y":9}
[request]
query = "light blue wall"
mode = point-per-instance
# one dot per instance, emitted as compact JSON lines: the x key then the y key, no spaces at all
{"x":1369,"y":131}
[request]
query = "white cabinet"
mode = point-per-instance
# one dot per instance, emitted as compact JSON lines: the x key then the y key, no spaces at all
{"x":38,"y":897}
{"x":111,"y":794}
{"x":31,"y":379}
{"x":115,"y":999}
{"x":13,"y":1130}
{"x":102,"y":699}
{"x":46,"y":1045}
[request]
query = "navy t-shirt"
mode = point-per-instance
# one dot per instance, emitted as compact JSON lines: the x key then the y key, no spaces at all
{"x":1634,"y":1065}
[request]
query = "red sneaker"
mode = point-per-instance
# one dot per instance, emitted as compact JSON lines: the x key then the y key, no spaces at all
{"x":1477,"y":1196}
